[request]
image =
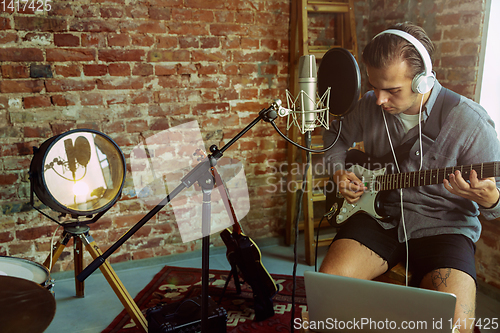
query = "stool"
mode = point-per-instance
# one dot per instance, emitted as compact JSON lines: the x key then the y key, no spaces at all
{"x":397,"y":275}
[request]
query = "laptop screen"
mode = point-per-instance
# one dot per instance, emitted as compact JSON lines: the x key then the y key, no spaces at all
{"x":342,"y":304}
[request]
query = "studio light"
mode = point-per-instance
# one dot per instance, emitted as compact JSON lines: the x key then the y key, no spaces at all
{"x":80,"y":172}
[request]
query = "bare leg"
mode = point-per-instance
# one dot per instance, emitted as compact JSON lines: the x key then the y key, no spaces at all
{"x":347,"y":257}
{"x":463,"y":286}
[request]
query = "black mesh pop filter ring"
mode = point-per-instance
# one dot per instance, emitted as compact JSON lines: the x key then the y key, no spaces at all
{"x":339,"y":71}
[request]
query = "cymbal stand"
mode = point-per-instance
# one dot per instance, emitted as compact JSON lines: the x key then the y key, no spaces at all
{"x":81,"y":237}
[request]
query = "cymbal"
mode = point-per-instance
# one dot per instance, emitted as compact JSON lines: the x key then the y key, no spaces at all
{"x":25,"y":306}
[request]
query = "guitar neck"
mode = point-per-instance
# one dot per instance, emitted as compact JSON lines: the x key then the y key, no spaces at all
{"x":434,"y":176}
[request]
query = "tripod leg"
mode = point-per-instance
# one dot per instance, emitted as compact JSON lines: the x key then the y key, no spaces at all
{"x":78,"y":258}
{"x":117,"y":286}
{"x":58,"y":249}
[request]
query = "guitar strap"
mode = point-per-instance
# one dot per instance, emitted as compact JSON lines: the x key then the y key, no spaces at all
{"x":445,"y":102}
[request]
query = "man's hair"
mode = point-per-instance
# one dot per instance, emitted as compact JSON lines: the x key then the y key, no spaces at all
{"x":383,"y":50}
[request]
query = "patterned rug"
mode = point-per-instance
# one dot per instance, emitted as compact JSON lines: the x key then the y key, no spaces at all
{"x":172,"y":284}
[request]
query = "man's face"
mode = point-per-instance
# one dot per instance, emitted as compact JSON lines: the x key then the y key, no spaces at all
{"x":393,"y":89}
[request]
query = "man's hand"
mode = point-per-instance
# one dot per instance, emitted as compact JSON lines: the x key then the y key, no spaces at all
{"x":483,"y":191}
{"x":349,"y":185}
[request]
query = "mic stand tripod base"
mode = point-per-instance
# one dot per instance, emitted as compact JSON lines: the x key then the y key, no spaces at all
{"x":81,"y":236}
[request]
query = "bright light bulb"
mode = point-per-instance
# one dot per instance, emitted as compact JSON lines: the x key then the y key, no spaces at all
{"x":80,"y":188}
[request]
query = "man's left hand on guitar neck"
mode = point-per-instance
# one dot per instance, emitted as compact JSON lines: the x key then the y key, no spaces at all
{"x":483,"y":191}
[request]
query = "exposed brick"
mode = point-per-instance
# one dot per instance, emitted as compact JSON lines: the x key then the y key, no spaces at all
{"x":189,"y":42}
{"x":135,"y":126}
{"x":39,"y":71}
{"x":210,"y":42}
{"x":37,"y":131}
{"x":34,"y":233}
{"x":66,"y":40}
{"x":208,"y":69}
{"x":36,"y":23}
{"x":97,"y":40}
{"x":91,"y":99}
{"x":6,"y":236}
{"x":8,"y":178}
{"x":168,"y":55}
{"x":156,"y":13}
{"x":94,"y":26}
{"x":15,"y":72}
{"x":204,"y":55}
{"x":119,"y":69}
{"x":196,"y":29}
{"x":5,"y":23}
{"x":17,"y":54}
{"x":152,"y":27}
{"x":61,"y":55}
{"x":114,"y":99}
{"x":160,"y":124}
{"x":60,"y":85}
{"x":86,"y":11}
{"x":142,"y":40}
{"x":108,"y":12}
{"x":21,"y":86}
{"x":141,"y":98}
{"x":118,"y":40}
{"x":459,"y":61}
{"x":121,"y":55}
{"x":59,"y":9}
{"x":68,"y":70}
{"x":167,"y":42}
{"x":228,"y":30}
{"x":8,"y":37}
{"x":142,"y":69}
{"x":37,"y":102}
{"x":64,"y":100}
{"x":138,"y":11}
{"x":112,"y":84}
{"x":165,"y":69}
{"x":95,"y":70}
{"x":205,"y":4}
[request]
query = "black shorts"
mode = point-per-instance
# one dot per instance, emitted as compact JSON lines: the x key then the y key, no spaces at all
{"x":425,"y":254}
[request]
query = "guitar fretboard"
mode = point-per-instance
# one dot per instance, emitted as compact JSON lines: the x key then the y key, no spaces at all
{"x":434,"y":176}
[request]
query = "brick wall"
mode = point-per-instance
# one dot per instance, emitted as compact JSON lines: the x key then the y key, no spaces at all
{"x":131,"y":69}
{"x":134,"y":68}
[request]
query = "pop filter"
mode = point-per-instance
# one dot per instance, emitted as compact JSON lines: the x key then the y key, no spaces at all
{"x":339,"y":71}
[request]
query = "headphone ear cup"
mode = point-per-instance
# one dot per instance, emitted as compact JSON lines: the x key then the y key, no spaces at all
{"x":423,"y":83}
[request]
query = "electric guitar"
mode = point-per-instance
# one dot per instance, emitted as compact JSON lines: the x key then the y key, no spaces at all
{"x":245,"y":258}
{"x":379,"y":180}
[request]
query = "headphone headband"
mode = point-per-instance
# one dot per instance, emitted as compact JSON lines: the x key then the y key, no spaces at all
{"x":425,"y":81}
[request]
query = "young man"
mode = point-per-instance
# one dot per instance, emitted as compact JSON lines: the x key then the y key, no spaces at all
{"x":439,"y":222}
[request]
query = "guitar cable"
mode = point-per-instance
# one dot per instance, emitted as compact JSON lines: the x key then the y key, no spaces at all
{"x":399,"y":171}
{"x":296,"y":241}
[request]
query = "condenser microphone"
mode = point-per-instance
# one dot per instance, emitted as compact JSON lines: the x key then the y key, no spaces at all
{"x":308,"y":80}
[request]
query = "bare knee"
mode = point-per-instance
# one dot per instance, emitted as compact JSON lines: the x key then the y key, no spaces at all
{"x":347,"y":257}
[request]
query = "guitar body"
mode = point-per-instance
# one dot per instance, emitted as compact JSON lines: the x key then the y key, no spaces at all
{"x":358,"y":162}
{"x":243,"y":253}
{"x":369,"y":202}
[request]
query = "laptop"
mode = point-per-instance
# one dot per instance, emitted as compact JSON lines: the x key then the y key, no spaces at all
{"x":342,"y":304}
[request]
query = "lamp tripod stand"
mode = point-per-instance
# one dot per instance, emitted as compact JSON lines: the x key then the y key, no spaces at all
{"x":81,"y":237}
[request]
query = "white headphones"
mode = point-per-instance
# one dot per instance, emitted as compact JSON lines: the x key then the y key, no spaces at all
{"x":423,"y":82}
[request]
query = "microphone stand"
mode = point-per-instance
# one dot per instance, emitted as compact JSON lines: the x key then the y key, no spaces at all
{"x":201,"y":174}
